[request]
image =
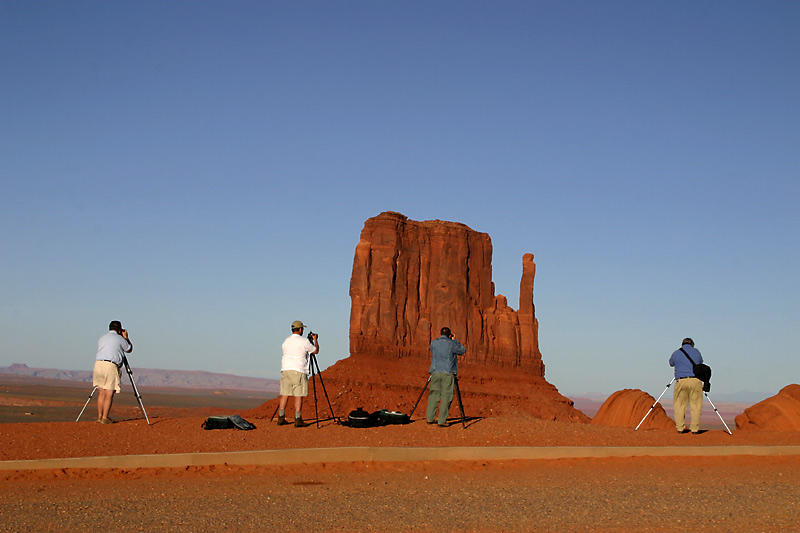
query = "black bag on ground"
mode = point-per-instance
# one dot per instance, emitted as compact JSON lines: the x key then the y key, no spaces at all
{"x":241,"y":423}
{"x":227,"y":422}
{"x":362,"y":419}
{"x":393,"y":417}
{"x":701,"y":372}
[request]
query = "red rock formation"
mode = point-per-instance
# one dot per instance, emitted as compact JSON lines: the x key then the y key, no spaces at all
{"x":627,"y":407}
{"x":409,"y":280}
{"x":777,"y":413}
{"x":412,"y":278}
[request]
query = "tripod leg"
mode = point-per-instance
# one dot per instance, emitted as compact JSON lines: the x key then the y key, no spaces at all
{"x":719,"y":415}
{"x":275,"y":412}
{"x":314,"y":383}
{"x":87,"y":403}
{"x":322,"y":382}
{"x":135,"y":390}
{"x":460,"y":404}
{"x":654,"y":404}
{"x":420,"y":396}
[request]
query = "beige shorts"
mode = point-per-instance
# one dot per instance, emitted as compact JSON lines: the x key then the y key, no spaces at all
{"x":106,"y":376}
{"x":294,"y":383}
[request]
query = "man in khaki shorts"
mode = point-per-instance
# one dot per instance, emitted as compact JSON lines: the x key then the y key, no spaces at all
{"x":111,"y":348}
{"x":294,"y":372}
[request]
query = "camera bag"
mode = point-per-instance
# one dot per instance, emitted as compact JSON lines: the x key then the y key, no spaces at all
{"x":227,"y":422}
{"x":701,"y":372}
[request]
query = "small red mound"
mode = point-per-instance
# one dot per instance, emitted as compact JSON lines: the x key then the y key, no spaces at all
{"x":627,"y":407}
{"x":777,"y":413}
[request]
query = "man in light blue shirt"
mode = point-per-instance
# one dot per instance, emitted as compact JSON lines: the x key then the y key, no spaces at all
{"x":688,"y":389}
{"x":444,"y":368}
{"x":111,"y":349}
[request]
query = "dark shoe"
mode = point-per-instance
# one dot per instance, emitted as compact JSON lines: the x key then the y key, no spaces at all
{"x":298,"y":423}
{"x":684,"y":431}
{"x":430,"y":422}
{"x":442,"y":425}
{"x":695,"y":432}
{"x":282,"y":421}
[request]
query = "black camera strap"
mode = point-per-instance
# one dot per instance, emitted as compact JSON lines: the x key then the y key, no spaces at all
{"x":694,"y":366}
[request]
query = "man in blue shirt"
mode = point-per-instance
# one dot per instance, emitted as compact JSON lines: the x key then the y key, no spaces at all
{"x":688,"y":389}
{"x":111,"y":349}
{"x":444,"y":368}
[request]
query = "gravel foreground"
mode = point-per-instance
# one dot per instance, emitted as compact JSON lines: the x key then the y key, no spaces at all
{"x":636,"y":494}
{"x":729,"y":493}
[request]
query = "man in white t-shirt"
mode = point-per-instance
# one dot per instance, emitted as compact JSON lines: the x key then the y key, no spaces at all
{"x":111,"y":348}
{"x":294,"y":372}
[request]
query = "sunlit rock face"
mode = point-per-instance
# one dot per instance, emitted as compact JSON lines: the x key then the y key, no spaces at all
{"x":412,"y":278}
{"x":627,"y":408}
{"x":777,"y":413}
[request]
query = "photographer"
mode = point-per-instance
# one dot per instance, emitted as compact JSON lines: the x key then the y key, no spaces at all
{"x":294,"y":372}
{"x":111,"y":348}
{"x":444,"y":368}
{"x":688,"y":389}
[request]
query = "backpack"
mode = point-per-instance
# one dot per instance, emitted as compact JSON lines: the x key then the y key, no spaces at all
{"x":227,"y":422}
{"x":701,"y":372}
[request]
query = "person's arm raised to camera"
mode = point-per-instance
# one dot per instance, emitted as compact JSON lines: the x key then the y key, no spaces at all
{"x":124,"y":333}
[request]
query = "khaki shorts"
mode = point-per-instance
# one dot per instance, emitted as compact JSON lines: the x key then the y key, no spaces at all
{"x":294,"y":383}
{"x":106,"y":376}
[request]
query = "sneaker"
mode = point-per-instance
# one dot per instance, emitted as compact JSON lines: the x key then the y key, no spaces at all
{"x":298,"y":423}
{"x":107,"y":421}
{"x":282,"y":421}
{"x":442,"y":425}
{"x":683,"y":431}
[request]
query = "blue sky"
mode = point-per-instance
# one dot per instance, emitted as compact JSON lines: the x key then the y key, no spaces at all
{"x":202,"y":171}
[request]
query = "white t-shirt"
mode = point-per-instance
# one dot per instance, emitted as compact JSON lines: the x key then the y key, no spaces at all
{"x":295,"y":353}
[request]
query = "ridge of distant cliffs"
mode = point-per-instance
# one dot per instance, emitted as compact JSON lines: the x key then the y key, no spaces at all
{"x":155,"y":377}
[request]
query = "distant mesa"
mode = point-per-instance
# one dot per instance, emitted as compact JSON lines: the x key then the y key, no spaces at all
{"x":410,"y":279}
{"x":777,"y":413}
{"x":627,"y":407}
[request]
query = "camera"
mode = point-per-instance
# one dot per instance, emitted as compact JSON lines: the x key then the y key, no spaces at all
{"x":310,"y":335}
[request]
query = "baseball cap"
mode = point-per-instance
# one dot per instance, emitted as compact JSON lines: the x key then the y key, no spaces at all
{"x":297,"y":324}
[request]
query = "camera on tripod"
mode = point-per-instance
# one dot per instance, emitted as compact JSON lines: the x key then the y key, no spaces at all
{"x":310,"y":335}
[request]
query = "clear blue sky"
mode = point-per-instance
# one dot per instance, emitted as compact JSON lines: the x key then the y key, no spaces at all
{"x":202,"y":171}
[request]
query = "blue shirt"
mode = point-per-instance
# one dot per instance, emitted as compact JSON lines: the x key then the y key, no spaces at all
{"x":683,"y":368}
{"x":444,"y":352}
{"x":112,"y":347}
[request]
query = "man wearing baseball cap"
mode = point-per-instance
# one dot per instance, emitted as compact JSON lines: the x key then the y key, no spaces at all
{"x":294,"y":372}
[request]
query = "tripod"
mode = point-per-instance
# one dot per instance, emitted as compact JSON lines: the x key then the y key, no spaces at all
{"x":458,"y":395}
{"x":707,"y":398}
{"x":133,"y":385}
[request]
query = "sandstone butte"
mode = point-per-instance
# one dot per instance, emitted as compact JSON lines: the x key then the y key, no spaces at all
{"x":628,"y":407}
{"x":777,"y":413}
{"x":409,"y":280}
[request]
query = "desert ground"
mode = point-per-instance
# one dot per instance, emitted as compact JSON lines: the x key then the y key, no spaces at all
{"x":731,"y":490}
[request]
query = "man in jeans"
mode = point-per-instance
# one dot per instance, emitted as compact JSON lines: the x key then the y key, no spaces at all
{"x":444,"y":368}
{"x":688,"y":389}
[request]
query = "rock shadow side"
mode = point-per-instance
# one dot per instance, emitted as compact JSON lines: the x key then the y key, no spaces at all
{"x":627,"y":407}
{"x":776,"y":413}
